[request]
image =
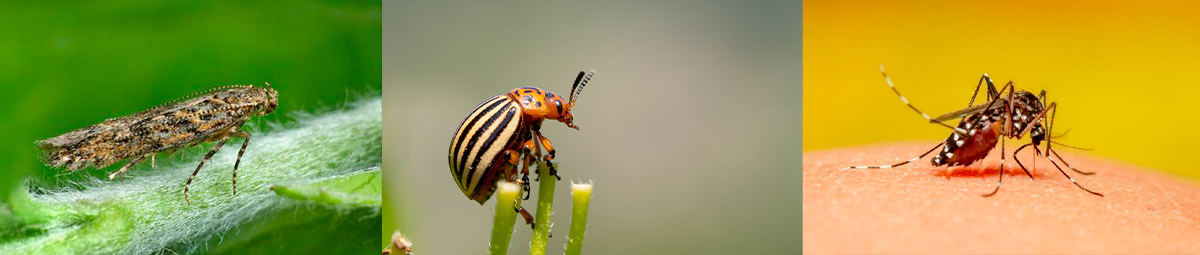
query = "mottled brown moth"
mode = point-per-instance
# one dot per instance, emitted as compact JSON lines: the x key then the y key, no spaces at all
{"x":211,"y":115}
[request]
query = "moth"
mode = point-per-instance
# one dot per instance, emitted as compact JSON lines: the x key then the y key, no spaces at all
{"x":212,"y":115}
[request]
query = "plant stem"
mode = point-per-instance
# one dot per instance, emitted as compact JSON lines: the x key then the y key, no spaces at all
{"x":541,"y":224}
{"x":582,"y":193}
{"x":507,"y":194}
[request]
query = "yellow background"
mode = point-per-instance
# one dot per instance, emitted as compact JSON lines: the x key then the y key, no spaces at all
{"x":1125,"y":74}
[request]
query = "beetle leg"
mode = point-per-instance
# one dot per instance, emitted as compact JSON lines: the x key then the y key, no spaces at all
{"x":514,"y":158}
{"x":524,"y":214}
{"x":550,"y":149}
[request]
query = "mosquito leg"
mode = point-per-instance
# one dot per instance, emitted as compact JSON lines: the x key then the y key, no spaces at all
{"x":897,"y":164}
{"x":187,"y":186}
{"x":991,"y":93}
{"x":1001,"y":180}
{"x":126,"y":167}
{"x":905,"y":100}
{"x":1005,"y":132}
{"x":1064,"y":161}
{"x":1018,"y":160}
{"x":1073,"y":179}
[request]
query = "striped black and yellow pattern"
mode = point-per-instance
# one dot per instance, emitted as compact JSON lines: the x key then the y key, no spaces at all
{"x":477,"y":148}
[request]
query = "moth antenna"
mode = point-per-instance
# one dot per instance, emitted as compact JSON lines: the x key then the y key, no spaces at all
{"x":580,"y":81}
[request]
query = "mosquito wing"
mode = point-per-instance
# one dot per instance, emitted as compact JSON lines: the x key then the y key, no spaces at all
{"x":966,"y":111}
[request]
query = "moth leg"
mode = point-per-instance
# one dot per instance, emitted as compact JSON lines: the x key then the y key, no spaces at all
{"x":238,"y":162}
{"x":187,"y":186}
{"x":125,"y":168}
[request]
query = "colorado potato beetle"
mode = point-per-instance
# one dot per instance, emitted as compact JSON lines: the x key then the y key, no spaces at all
{"x":502,"y":131}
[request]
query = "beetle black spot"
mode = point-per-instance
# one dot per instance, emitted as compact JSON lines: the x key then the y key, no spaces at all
{"x":528,"y":91}
{"x":538,"y":104}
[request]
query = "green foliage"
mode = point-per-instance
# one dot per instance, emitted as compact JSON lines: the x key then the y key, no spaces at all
{"x":507,"y":195}
{"x":327,"y":166}
{"x":582,"y":196}
{"x":541,"y":228}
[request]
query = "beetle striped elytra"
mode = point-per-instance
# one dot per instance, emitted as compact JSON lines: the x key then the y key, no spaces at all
{"x":502,"y":132}
{"x":211,"y":115}
{"x":1007,"y":113}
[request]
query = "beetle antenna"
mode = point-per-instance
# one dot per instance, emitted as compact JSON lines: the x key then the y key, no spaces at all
{"x":580,"y":81}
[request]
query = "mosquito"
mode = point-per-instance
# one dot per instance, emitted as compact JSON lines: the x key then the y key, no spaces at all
{"x":982,"y":125}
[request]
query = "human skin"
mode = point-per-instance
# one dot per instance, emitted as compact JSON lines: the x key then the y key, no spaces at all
{"x":921,"y":209}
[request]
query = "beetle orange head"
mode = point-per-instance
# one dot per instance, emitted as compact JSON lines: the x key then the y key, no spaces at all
{"x":560,"y":110}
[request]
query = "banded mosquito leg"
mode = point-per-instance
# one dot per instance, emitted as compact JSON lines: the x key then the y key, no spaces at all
{"x":1018,"y":160}
{"x":1050,"y":129}
{"x":992,"y":92}
{"x":897,"y":164}
{"x":187,"y":186}
{"x":1073,"y":179}
{"x":1064,"y":161}
{"x":1001,"y":181}
{"x":914,"y":108}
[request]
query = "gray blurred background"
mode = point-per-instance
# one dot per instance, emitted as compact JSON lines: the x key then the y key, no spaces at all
{"x":690,"y":128}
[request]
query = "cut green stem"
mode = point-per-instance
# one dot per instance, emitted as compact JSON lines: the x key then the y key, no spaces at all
{"x":507,"y":194}
{"x":541,"y":224}
{"x":582,"y":196}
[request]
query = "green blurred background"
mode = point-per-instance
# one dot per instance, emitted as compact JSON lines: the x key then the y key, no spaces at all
{"x":69,"y":64}
{"x":690,"y":128}
{"x":1123,"y":73}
